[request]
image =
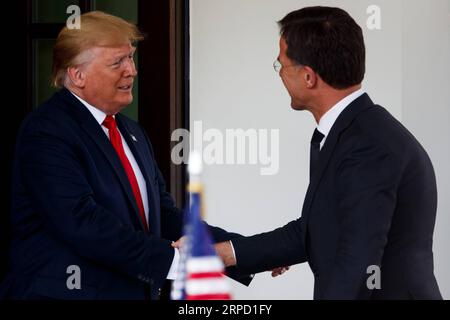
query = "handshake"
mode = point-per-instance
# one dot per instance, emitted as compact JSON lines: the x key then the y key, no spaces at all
{"x":226,"y":252}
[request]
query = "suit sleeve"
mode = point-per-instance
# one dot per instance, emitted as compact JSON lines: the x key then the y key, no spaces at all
{"x":235,"y":273}
{"x":54,"y":177}
{"x":366,"y":189}
{"x":281,"y":247}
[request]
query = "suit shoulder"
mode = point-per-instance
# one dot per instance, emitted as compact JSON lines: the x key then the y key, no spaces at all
{"x":386,"y":129}
{"x":365,"y":130}
{"x":50,"y":118}
{"x":376,"y":127}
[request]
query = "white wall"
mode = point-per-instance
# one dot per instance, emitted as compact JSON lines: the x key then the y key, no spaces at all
{"x":426,"y":106}
{"x":233,"y":85}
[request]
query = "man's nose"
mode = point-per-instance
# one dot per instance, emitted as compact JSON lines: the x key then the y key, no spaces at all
{"x":130,"y":69}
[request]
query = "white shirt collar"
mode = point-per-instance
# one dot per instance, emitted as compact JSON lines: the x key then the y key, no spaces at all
{"x":98,"y":114}
{"x":328,"y":119}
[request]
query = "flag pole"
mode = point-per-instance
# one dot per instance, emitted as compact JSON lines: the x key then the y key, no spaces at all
{"x":201,"y":272}
{"x":195,"y":169}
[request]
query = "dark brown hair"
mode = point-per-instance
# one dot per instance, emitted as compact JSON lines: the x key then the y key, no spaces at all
{"x":329,"y":41}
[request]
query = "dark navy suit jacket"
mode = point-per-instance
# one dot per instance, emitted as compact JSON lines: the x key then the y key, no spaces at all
{"x":371,"y":202}
{"x":73,"y":205}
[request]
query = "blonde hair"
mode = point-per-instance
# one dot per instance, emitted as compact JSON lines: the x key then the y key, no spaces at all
{"x":98,"y":29}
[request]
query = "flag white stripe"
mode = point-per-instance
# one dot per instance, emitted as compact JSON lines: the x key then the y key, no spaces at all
{"x":204,"y":264}
{"x":207,"y":286}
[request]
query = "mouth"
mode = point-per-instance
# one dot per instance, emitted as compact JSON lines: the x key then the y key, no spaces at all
{"x":125,"y":88}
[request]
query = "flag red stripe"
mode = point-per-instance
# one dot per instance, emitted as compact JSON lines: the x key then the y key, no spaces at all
{"x":217,"y":296}
{"x":203,"y":275}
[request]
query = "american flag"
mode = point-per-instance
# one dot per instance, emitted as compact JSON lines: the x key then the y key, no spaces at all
{"x":201,"y":272}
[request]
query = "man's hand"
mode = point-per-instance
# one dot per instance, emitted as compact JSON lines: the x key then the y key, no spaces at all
{"x":225,"y":252}
{"x":179,"y":243}
{"x":279,"y":271}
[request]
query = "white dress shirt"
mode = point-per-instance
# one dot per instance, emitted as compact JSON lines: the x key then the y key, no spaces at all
{"x":100,"y":116}
{"x":328,"y":119}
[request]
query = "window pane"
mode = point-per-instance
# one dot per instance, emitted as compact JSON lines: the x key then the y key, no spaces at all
{"x":127,"y":10}
{"x":51,"y":11}
{"x":42,"y":89}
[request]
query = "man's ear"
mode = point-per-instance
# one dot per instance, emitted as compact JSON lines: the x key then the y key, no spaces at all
{"x":310,"y":77}
{"x":76,"y":76}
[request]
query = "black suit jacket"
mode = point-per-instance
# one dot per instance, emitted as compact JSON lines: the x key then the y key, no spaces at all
{"x":372,"y":201}
{"x":73,"y":205}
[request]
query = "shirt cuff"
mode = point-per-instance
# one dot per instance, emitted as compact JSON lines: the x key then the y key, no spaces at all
{"x":173,"y":271}
{"x":234,"y":253}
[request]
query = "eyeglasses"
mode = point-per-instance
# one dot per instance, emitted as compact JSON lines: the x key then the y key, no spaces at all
{"x":277,"y":66}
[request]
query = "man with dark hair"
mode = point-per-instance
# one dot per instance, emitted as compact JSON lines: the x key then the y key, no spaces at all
{"x":371,"y":200}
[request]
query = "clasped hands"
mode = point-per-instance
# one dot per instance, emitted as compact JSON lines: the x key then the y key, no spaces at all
{"x":225,"y":252}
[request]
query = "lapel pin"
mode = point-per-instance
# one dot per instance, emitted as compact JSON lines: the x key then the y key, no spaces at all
{"x":133,"y":137}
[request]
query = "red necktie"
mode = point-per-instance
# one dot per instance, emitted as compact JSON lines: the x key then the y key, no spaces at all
{"x":116,"y":141}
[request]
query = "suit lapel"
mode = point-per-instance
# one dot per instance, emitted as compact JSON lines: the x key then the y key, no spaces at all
{"x":95,"y":132}
{"x":342,"y":122}
{"x":135,"y":148}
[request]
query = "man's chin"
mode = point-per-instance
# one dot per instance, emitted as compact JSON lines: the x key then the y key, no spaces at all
{"x":297,"y":106}
{"x":127,"y":101}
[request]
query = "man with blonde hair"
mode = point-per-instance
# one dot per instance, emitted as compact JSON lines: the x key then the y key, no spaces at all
{"x":90,"y":217}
